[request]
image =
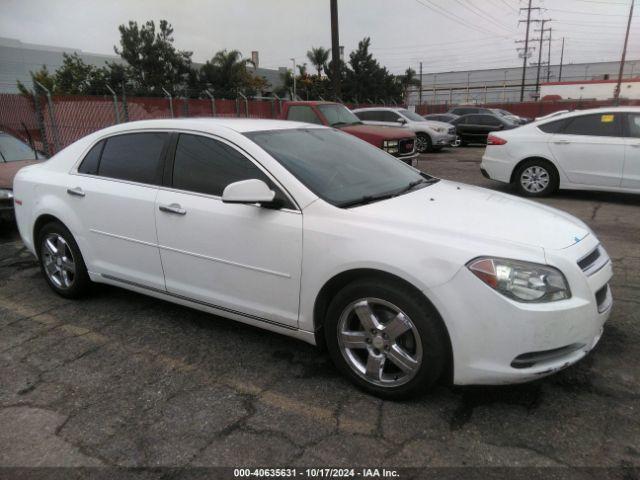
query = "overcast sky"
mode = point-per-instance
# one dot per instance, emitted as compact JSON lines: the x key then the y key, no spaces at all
{"x":445,"y":34}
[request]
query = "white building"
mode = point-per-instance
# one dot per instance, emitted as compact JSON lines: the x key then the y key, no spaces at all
{"x":591,"y":89}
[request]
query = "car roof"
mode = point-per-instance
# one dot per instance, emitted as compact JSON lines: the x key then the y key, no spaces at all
{"x":240,"y":125}
{"x":574,"y":113}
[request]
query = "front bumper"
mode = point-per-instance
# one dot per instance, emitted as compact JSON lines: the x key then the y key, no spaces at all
{"x":443,"y":139}
{"x":497,"y":341}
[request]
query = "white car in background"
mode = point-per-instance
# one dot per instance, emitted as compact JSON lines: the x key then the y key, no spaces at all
{"x":597,"y":149}
{"x":431,"y":136}
{"x":313,"y":233}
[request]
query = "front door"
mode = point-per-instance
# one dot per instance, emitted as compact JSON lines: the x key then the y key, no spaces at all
{"x":239,"y":258}
{"x":591,"y":149}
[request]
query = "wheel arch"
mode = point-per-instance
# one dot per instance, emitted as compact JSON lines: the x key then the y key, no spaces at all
{"x":40,"y":222}
{"x":342,"y":279}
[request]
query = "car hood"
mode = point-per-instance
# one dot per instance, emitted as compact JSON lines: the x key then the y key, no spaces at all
{"x":383,"y":133}
{"x":8,"y":170}
{"x":435,"y":123}
{"x":462,"y":210}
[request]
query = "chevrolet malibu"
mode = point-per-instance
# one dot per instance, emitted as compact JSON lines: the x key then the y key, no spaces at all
{"x":310,"y":232}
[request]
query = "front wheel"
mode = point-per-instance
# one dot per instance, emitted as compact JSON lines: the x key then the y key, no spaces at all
{"x":386,"y":338}
{"x":424,"y":143}
{"x":536,"y":178}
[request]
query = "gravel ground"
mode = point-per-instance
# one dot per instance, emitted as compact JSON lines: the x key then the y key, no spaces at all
{"x":120,"y":379}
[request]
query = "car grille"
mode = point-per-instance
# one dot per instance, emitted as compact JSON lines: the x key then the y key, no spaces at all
{"x":593,"y":261}
{"x":406,"y":146}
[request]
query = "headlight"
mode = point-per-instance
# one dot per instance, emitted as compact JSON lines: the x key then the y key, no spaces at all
{"x":439,"y":129}
{"x":521,"y":281}
{"x":6,"y":194}
{"x":390,"y":146}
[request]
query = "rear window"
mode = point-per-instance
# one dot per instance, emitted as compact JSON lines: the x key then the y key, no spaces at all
{"x":91,"y":160}
{"x":553,"y":127}
{"x":135,"y":157}
{"x":598,"y":124}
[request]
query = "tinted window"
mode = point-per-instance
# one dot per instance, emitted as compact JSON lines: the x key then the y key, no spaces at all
{"x":390,"y":116}
{"x":13,"y":150}
{"x":135,"y":157}
{"x":336,"y":166}
{"x":205,"y":165}
{"x":553,"y":127}
{"x":302,"y":113}
{"x":365,"y":115}
{"x":601,"y":124}
{"x":464,"y":111}
{"x":90,"y":163}
{"x":411,"y":115}
{"x":474,"y":119}
{"x":489,"y":120}
{"x":634,"y":124}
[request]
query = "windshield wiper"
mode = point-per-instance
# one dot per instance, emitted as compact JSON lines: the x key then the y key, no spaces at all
{"x":366,"y":199}
{"x":412,"y":185}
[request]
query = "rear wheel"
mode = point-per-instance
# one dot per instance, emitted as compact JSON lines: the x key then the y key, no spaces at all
{"x":536,"y":178}
{"x":386,"y":338}
{"x":61,"y":261}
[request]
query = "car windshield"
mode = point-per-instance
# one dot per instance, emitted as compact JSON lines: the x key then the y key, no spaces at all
{"x":338,"y":115}
{"x":411,"y":115}
{"x":341,"y":169}
{"x":13,"y":150}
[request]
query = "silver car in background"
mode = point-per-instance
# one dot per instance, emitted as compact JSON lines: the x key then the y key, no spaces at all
{"x":431,"y":136}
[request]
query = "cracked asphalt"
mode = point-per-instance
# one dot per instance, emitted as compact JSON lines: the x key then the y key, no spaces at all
{"x":120,"y":379}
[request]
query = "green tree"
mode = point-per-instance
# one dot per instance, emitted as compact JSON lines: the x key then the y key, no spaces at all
{"x":43,"y":77}
{"x":153,"y":61}
{"x":408,"y":80}
{"x":366,"y":79}
{"x":227,"y":74}
{"x":318,"y":57}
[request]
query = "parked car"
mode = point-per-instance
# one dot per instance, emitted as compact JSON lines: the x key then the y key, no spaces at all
{"x":597,"y":149}
{"x":310,"y":232}
{"x":459,"y":111}
{"x":475,"y":128}
{"x":513,"y":118}
{"x":441,"y":117}
{"x":431,"y":136}
{"x":14,"y":154}
{"x":399,"y":142}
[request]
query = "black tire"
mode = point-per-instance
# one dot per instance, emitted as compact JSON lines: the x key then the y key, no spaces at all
{"x":547,"y":167}
{"x":426,"y":139}
{"x":433,"y":339}
{"x":80,"y":283}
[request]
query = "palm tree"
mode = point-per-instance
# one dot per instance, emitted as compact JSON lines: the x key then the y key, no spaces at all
{"x":318,"y":57}
{"x":409,"y":79}
{"x":227,"y":72}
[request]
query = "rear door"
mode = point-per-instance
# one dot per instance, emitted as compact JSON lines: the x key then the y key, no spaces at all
{"x":244,"y":259}
{"x":631,"y":170}
{"x":114,"y":194}
{"x":591,"y":149}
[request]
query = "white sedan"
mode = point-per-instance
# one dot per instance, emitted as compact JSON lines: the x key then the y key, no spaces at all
{"x":313,"y":233}
{"x":597,"y":149}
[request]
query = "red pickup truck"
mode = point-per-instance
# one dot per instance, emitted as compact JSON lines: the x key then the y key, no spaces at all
{"x":399,"y":142}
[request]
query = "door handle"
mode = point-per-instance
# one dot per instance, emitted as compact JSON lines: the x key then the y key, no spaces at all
{"x":77,"y":192}
{"x":562,"y":142}
{"x":173,"y":208}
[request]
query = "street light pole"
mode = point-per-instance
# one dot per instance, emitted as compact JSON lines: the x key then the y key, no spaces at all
{"x":295,"y":96}
{"x":335,"y":49}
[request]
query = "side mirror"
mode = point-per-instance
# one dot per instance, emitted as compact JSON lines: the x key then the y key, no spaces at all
{"x":248,"y":191}
{"x":401,"y":121}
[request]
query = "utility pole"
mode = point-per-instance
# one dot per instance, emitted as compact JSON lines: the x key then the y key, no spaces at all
{"x":335,"y":49}
{"x":294,"y":79}
{"x":549,"y":58}
{"x":561,"y":60}
{"x":616,"y":93}
{"x":420,"y":90}
{"x":542,"y":39}
{"x":526,"y":47}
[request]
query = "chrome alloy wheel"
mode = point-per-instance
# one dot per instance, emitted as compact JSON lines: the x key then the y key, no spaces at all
{"x":535,"y":179}
{"x":58,"y":261}
{"x":422,"y":145}
{"x":379,"y":342}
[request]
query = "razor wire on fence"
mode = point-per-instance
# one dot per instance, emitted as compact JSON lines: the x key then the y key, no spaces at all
{"x":51,"y":122}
